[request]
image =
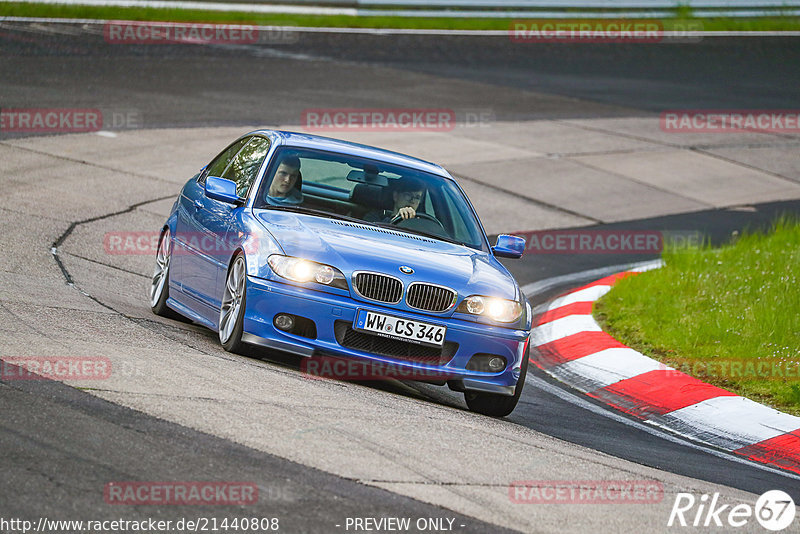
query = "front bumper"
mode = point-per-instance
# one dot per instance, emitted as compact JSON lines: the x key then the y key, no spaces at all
{"x":332,"y":314}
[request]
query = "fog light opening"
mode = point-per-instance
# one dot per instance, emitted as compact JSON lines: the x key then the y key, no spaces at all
{"x":284,"y":322}
{"x":497,"y":364}
{"x":487,"y":363}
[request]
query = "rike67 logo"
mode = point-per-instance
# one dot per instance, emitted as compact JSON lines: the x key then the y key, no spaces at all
{"x":774,"y":510}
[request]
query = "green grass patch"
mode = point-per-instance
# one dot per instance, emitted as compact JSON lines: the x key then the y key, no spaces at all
{"x":682,"y":20}
{"x":710,"y":309}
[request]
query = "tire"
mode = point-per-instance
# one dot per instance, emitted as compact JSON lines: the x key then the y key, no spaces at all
{"x":495,"y":405}
{"x":159,"y":283}
{"x":231,"y":313}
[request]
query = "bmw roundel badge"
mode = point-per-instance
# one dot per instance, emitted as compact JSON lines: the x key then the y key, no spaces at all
{"x":406,"y":270}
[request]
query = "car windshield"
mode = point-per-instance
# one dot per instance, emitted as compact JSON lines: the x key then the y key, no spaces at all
{"x":369,"y":191}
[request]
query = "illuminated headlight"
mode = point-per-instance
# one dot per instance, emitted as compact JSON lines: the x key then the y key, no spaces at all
{"x":303,"y":271}
{"x":500,"y":310}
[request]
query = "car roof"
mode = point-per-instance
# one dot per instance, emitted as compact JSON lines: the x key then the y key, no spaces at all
{"x":304,"y":140}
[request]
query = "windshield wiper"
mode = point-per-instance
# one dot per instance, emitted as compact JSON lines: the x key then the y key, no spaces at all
{"x":420,"y":232}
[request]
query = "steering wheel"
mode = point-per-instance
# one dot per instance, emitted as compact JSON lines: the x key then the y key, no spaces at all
{"x":397,"y":219}
{"x":430,"y":218}
{"x":422,"y":222}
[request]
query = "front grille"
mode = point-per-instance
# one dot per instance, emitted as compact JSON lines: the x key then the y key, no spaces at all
{"x":429,"y":297}
{"x":392,"y":348}
{"x":378,"y":287}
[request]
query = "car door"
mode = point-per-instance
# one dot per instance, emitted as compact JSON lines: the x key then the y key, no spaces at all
{"x":243,"y":171}
{"x":200,"y":230}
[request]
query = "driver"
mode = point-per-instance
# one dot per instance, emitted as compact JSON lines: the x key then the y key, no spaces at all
{"x":407,"y":193}
{"x":286,"y":184}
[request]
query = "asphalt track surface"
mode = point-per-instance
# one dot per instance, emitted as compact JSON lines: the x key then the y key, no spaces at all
{"x":63,"y":66}
{"x":272,"y":84}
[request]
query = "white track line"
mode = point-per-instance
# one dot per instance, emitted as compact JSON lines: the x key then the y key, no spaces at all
{"x":580,"y":402}
{"x":535,"y":289}
{"x":404,"y":31}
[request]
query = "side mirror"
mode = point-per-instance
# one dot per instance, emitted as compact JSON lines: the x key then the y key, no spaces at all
{"x":221,"y":189}
{"x":509,"y":246}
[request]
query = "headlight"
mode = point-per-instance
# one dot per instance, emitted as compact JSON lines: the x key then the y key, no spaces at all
{"x":500,"y":310}
{"x":303,"y":271}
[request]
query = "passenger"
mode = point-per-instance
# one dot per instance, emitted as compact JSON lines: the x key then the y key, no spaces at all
{"x":285,"y":189}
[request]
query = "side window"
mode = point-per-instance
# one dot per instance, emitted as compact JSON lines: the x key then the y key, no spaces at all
{"x":244,"y":167}
{"x":220,"y":163}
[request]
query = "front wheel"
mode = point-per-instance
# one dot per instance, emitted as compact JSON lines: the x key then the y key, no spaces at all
{"x":495,"y":405}
{"x":159,"y":284}
{"x":231,"y":313}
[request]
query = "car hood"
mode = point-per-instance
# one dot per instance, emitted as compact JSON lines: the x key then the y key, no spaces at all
{"x":353,"y":247}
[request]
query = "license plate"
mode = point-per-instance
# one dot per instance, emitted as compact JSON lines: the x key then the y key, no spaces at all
{"x":398,"y":328}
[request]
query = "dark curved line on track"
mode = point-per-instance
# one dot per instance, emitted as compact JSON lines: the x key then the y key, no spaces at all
{"x":60,"y":240}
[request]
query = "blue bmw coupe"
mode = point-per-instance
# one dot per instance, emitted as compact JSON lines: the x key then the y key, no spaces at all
{"x":335,"y":250}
